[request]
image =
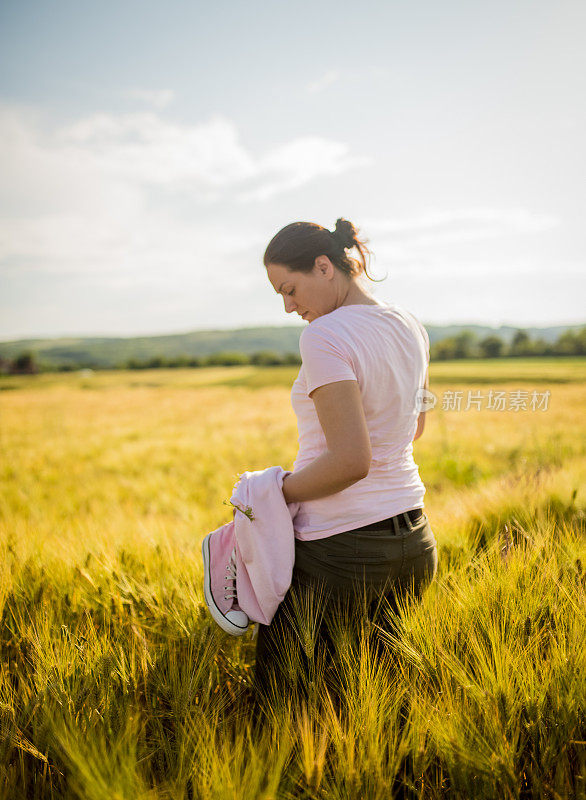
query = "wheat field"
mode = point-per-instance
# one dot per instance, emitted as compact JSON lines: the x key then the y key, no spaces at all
{"x":115,"y":682}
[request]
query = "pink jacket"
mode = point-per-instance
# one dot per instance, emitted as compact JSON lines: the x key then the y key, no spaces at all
{"x":263,"y":534}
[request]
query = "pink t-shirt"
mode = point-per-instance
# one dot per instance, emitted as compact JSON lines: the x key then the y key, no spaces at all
{"x":386,"y":349}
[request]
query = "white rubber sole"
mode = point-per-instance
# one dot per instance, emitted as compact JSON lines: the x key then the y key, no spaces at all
{"x":223,"y":622}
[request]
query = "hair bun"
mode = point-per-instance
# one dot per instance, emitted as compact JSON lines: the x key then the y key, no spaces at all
{"x":345,"y":233}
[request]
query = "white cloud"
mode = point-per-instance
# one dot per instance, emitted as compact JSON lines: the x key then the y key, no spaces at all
{"x":417,"y":239}
{"x":299,"y":162}
{"x":430,"y":244}
{"x":157,"y":98}
{"x":93,"y":196}
{"x":330,"y":77}
{"x":519,"y":220}
{"x":148,"y":149}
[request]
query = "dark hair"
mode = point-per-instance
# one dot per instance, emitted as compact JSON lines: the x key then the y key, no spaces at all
{"x":297,"y":245}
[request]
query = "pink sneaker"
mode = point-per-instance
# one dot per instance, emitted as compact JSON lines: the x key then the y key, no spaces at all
{"x":219,"y":580}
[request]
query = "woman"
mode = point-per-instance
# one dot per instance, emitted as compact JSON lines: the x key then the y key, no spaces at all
{"x":361,"y":524}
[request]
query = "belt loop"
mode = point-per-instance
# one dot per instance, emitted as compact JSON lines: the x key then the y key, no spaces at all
{"x":408,"y":522}
{"x":396,"y":525}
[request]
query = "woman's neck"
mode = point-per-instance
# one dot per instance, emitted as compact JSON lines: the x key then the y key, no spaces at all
{"x":357,"y":296}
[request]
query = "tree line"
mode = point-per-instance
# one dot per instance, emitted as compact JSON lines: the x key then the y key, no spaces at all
{"x":468,"y":345}
{"x":26,"y":362}
{"x":463,"y":345}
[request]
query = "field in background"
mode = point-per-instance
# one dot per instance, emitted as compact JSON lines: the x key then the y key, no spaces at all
{"x":116,"y":683}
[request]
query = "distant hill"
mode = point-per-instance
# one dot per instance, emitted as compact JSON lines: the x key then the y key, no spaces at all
{"x":504,"y":332}
{"x":113,"y":351}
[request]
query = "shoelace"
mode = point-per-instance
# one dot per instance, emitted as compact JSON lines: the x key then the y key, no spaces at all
{"x":231,"y":577}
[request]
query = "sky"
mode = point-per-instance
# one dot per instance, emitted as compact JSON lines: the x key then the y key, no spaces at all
{"x":149,"y":151}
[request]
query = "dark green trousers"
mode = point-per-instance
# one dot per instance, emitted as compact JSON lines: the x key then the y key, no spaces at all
{"x":334,"y":578}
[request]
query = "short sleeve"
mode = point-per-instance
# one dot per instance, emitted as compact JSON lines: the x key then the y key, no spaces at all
{"x":425,"y":335}
{"x":324,"y":360}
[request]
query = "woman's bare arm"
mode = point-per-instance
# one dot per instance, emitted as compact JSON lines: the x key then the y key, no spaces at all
{"x":348,"y":455}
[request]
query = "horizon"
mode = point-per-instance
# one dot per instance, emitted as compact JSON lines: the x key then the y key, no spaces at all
{"x":140,"y":193}
{"x":273,"y":325}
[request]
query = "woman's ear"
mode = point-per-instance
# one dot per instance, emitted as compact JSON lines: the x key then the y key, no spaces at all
{"x":324,"y":265}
